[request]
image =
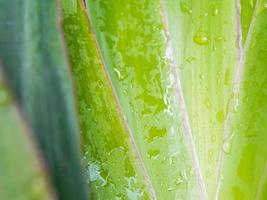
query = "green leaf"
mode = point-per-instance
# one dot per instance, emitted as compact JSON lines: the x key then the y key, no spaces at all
{"x":128,"y":102}
{"x":22,"y":174}
{"x":182,"y":83}
{"x":204,"y":36}
{"x":244,"y":173}
{"x":33,"y":58}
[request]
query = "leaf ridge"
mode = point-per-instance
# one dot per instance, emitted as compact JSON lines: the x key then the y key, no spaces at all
{"x":138,"y":156}
{"x":242,"y":50}
{"x":184,"y":115}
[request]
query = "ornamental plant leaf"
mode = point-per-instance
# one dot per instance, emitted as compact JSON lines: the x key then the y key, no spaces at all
{"x":133,"y":145}
{"x":244,"y":167}
{"x":205,"y":40}
{"x":173,"y":74}
{"x":33,"y":59}
{"x":28,"y":180}
{"x":171,"y":95}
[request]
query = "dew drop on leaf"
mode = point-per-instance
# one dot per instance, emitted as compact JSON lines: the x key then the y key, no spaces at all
{"x":185,"y":8}
{"x":227,"y":144}
{"x":208,"y":103}
{"x":201,"y":38}
{"x":226,"y":147}
{"x":215,"y":10}
{"x":210,"y":156}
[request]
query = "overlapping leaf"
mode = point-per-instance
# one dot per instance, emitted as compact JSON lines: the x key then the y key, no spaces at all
{"x":22,"y":175}
{"x":171,"y":95}
{"x":244,"y":167}
{"x":32,"y":55}
{"x":205,"y":40}
{"x":129,"y":104}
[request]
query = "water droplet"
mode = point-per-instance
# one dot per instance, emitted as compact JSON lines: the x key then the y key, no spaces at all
{"x":205,"y":14}
{"x":219,"y":39}
{"x":226,"y":147}
{"x":215,"y":11}
{"x":227,"y":144}
{"x":208,"y":103}
{"x":190,"y":59}
{"x":210,"y":156}
{"x":179,"y":180}
{"x":173,"y":160}
{"x":219,"y":77}
{"x":185,"y":8}
{"x":201,"y":77}
{"x":118,"y":73}
{"x":236,"y":105}
{"x":201,"y":38}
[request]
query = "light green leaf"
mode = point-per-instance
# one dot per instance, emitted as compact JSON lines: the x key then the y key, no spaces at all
{"x":109,"y":152}
{"x":204,"y":36}
{"x":172,"y":86}
{"x":32,"y":55}
{"x":128,"y":101}
{"x":244,"y":173}
{"x":22,"y":174}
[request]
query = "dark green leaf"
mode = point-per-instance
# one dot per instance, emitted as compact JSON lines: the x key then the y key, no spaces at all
{"x":32,"y":54}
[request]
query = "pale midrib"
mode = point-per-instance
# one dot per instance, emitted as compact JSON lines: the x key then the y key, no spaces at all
{"x":237,"y":82}
{"x":184,"y":114}
{"x":138,"y":156}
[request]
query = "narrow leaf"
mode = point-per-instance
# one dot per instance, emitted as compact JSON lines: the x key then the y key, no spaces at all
{"x":124,"y":75}
{"x":32,"y":55}
{"x":22,"y":174}
{"x":110,"y":155}
{"x":204,"y":37}
{"x":244,"y":174}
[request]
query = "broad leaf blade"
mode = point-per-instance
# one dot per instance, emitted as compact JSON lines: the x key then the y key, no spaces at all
{"x":33,"y":57}
{"x":22,"y":175}
{"x":204,"y":37}
{"x":109,"y":154}
{"x":247,"y":11}
{"x":244,"y":174}
{"x":144,"y":87}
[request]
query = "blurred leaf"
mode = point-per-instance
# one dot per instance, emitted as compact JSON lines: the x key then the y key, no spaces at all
{"x":32,"y":55}
{"x":22,"y":175}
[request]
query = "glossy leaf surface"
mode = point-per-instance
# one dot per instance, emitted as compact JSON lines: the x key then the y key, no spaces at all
{"x":204,"y":37}
{"x":244,"y":170}
{"x":177,"y":88}
{"x":142,"y":96}
{"x":109,"y":155}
